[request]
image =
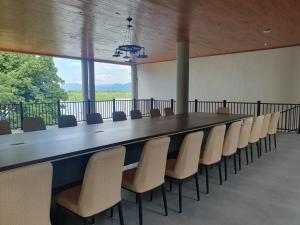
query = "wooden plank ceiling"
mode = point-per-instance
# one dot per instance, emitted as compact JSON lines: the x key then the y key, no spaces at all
{"x":94,"y":28}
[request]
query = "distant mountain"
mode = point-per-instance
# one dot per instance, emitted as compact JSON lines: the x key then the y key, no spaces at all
{"x":99,"y":87}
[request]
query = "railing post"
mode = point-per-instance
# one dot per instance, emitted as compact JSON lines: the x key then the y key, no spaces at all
{"x":21,"y":114}
{"x":172,"y":104}
{"x":151,"y":103}
{"x":89,"y":106}
{"x":134,"y":104}
{"x":196,"y":105}
{"x":58,"y":109}
{"x":258,"y":108}
{"x":224,"y":103}
{"x":299,"y":119}
{"x":114,"y":105}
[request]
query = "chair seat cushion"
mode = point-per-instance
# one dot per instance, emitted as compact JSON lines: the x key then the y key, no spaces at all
{"x":69,"y":199}
{"x":128,"y":178}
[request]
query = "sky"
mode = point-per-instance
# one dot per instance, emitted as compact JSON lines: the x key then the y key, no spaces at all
{"x":105,"y":73}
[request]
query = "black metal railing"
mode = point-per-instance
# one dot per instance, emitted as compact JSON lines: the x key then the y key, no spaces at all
{"x":15,"y":113}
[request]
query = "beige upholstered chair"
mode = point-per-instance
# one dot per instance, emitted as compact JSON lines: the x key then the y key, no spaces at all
{"x":33,"y":124}
{"x":223,"y":110}
{"x":100,"y":189}
{"x":168,"y":112}
{"x":244,"y":139}
{"x":150,"y":172}
{"x":231,"y":143}
{"x":255,"y":135}
{"x":4,"y":127}
{"x":186,"y":164}
{"x":213,"y":151}
{"x":25,"y":195}
{"x":155,"y":113}
{"x":264,"y":131}
{"x":272,"y":130}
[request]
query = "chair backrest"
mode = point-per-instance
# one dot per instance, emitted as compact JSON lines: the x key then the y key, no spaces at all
{"x":25,"y":195}
{"x":223,"y":110}
{"x":274,"y":123}
{"x":93,"y":118}
{"x":67,"y":121}
{"x":213,"y":149}
{"x":119,"y":116}
{"x":231,"y":139}
{"x":152,"y":165}
{"x":4,"y":127}
{"x":256,"y":129}
{"x":33,"y":124}
{"x":187,"y":162}
{"x":101,"y":186}
{"x":155,"y":113}
{"x":168,"y":112}
{"x":245,"y":132}
{"x":265,"y":126}
{"x":136,"y":114}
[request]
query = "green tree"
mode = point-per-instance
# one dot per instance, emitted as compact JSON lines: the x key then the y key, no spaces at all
{"x":29,"y":79}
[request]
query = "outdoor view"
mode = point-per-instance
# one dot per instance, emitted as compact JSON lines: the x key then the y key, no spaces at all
{"x":28,"y":78}
{"x":112,"y":81}
{"x":31,"y":86}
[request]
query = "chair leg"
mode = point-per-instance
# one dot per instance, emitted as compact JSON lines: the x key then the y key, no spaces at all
{"x":240,"y":160}
{"x":86,"y":221}
{"x":247,"y":158}
{"x":197,"y":186}
{"x":57,"y":215}
{"x":140,"y":208}
{"x":251,"y":149}
{"x":93,"y":220}
{"x":200,"y":169}
{"x":163,"y":191}
{"x":120,"y":213}
{"x":258,"y":146}
{"x":170,"y":184}
{"x":266,"y":147}
{"x":225,"y":167}
{"x":207,"y":179}
{"x":234,"y":165}
{"x":275,"y":141}
{"x":112,"y":212}
{"x":151,"y":196}
{"x":180,"y":195}
{"x":270,"y":143}
{"x":220,"y":172}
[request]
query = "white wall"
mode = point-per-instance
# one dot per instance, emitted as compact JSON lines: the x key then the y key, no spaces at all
{"x":270,"y":76}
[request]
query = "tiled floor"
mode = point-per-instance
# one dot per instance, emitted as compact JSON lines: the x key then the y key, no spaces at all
{"x":265,"y":192}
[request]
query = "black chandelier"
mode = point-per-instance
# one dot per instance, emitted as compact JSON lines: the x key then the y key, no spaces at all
{"x":128,"y":48}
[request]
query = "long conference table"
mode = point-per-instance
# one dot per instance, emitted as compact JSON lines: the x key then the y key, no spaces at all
{"x":70,"y":148}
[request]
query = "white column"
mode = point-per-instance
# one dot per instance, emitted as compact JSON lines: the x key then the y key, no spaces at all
{"x":85,"y":85}
{"x":92,"y":93}
{"x":182,"y":92}
{"x":134,"y":81}
{"x":85,"y":79}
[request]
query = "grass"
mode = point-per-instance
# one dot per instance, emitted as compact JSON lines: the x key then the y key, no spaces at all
{"x":105,"y":95}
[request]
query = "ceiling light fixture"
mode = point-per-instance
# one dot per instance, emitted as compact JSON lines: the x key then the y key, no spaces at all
{"x":267,"y":31}
{"x":130,"y":47}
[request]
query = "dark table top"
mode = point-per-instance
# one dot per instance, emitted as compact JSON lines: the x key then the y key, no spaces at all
{"x":22,"y":149}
